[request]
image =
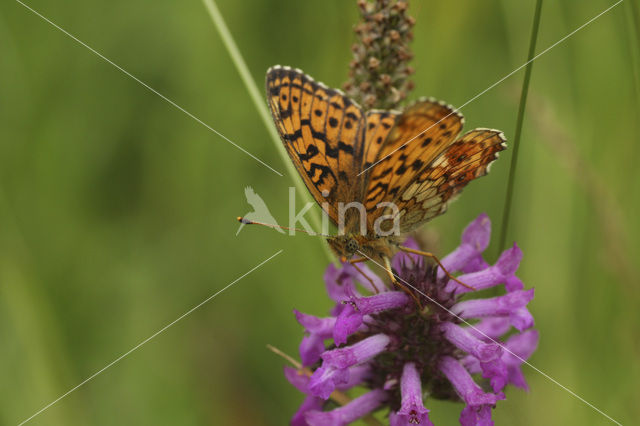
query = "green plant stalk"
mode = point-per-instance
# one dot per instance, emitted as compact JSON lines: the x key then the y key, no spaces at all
{"x":633,"y":18}
{"x":260,"y":104}
{"x":506,"y":214}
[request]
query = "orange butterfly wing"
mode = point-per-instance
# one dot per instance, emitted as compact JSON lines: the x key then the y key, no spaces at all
{"x":323,"y":132}
{"x":428,"y":193}
{"x":379,"y":125}
{"x":411,"y":159}
{"x":419,"y":135}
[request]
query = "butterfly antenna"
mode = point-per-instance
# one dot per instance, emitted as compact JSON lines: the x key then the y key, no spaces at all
{"x":246,"y":221}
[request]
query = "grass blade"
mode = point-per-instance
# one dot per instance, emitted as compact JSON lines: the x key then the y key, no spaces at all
{"x":506,"y":214}
{"x":260,"y":104}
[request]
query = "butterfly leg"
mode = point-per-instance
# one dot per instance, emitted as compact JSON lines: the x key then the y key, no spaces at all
{"x":394,"y":280}
{"x":354,"y":262}
{"x":435,"y":258}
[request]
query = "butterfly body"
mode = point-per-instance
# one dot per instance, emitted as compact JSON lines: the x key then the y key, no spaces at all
{"x":353,"y":244}
{"x":377,"y":174}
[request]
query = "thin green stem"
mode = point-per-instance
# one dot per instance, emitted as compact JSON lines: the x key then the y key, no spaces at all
{"x":260,"y":104}
{"x":634,"y":44}
{"x":506,"y":215}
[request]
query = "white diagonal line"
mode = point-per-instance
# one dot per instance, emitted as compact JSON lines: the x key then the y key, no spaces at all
{"x":148,"y":87}
{"x":499,"y":81}
{"x":148,"y":339}
{"x":524,"y":361}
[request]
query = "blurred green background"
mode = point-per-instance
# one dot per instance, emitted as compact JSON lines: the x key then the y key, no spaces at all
{"x":117,"y":211}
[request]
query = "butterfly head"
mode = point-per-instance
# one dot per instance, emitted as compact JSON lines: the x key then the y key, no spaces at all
{"x":345,"y":246}
{"x":350,"y":245}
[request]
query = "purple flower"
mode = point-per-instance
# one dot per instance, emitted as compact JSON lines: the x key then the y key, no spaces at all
{"x":476,"y":416}
{"x":511,"y":305}
{"x":499,"y":273}
{"x":318,"y":329}
{"x":348,"y":413}
{"x":466,"y":341}
{"x":301,"y":381}
{"x":412,"y":411}
{"x":521,"y":347}
{"x":381,"y":339}
{"x":402,"y":258}
{"x":468,"y":256}
{"x":336,"y":363}
{"x":463,"y":383}
{"x":352,"y":316}
{"x":310,"y":403}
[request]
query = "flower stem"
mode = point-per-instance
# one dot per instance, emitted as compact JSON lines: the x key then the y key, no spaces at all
{"x":260,"y":104}
{"x":518,"y":131}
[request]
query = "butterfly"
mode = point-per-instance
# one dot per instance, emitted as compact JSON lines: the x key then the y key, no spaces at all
{"x":401,"y":168}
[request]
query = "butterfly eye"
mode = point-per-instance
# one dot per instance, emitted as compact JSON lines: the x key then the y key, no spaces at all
{"x":352,"y":246}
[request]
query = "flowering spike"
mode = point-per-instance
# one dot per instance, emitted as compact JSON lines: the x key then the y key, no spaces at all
{"x":379,"y":72}
{"x":400,"y":349}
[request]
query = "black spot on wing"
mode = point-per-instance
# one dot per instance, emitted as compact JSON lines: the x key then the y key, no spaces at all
{"x":312,"y":151}
{"x":377,"y":188}
{"x":286,"y":113}
{"x":292,"y":137}
{"x":401,"y":170}
{"x":319,"y":135}
{"x":325,"y":171}
{"x":345,"y":147}
{"x":383,"y":173}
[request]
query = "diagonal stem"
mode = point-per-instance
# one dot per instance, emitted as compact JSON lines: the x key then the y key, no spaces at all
{"x":260,"y":104}
{"x":506,"y":214}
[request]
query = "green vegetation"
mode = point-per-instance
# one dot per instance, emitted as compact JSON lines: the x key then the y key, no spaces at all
{"x":117,"y":211}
